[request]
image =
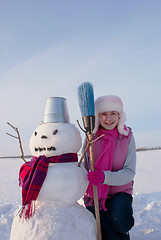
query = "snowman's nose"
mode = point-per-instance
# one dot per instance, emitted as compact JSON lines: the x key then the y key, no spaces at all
{"x":43,"y":137}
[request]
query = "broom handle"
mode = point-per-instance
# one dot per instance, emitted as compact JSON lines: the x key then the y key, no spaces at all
{"x":95,"y":189}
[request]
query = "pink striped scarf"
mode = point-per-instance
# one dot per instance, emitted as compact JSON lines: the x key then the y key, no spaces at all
{"x":104,"y":162}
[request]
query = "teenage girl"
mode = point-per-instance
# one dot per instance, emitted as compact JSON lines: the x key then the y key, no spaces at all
{"x":115,"y":163}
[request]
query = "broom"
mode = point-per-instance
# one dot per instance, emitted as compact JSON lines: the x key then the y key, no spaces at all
{"x":86,"y":104}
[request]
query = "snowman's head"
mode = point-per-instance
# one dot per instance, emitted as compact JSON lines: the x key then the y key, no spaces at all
{"x":52,"y":139}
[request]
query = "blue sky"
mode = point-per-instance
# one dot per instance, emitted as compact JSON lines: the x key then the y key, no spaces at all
{"x":48,"y":48}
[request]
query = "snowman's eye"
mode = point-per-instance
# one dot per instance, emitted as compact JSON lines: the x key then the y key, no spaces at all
{"x":35,"y":133}
{"x":55,"y":132}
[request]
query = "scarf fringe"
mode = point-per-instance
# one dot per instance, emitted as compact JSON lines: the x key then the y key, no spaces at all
{"x":27,"y":211}
{"x":88,"y":201}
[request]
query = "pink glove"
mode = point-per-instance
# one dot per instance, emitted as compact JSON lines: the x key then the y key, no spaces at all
{"x":96,"y":177}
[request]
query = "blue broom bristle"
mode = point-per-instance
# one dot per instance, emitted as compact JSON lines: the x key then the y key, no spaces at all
{"x":86,"y":99}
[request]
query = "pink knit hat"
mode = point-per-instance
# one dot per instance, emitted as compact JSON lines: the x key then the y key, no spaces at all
{"x":110,"y":103}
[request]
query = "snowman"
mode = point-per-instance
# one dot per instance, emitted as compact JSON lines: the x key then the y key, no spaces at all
{"x":52,"y":183}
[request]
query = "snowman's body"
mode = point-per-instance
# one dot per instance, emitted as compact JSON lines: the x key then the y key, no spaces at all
{"x":58,"y":215}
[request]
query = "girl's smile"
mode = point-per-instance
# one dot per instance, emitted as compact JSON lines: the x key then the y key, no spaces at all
{"x":108,"y":120}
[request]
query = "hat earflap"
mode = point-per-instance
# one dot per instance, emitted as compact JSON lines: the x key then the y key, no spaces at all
{"x":96,"y":122}
{"x":121,"y":124}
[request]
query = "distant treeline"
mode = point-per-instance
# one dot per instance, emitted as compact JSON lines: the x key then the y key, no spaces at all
{"x":27,"y":156}
{"x":137,"y":149}
{"x":146,"y":149}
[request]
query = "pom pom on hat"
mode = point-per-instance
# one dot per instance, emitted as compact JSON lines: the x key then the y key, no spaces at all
{"x":110,"y":103}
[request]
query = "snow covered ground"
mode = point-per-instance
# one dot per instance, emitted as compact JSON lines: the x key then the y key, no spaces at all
{"x":147,"y":195}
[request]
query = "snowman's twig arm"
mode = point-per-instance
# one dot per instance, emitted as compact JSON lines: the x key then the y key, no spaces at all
{"x":18,"y":137}
{"x":88,"y":143}
{"x":11,"y":135}
{"x":97,"y":138}
{"x":85,"y":150}
{"x":82,"y":128}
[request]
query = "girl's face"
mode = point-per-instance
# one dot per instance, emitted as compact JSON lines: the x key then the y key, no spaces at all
{"x":108,"y":120}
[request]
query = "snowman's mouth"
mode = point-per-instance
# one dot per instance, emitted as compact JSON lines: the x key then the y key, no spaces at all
{"x":45,"y":149}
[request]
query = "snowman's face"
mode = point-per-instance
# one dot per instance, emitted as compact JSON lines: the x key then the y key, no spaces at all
{"x":51,"y":139}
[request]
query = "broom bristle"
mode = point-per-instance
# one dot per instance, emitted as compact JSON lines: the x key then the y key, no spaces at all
{"x":86,"y":99}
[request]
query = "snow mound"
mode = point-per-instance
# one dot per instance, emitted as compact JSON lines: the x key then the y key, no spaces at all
{"x":72,"y":222}
{"x":147,"y":213}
